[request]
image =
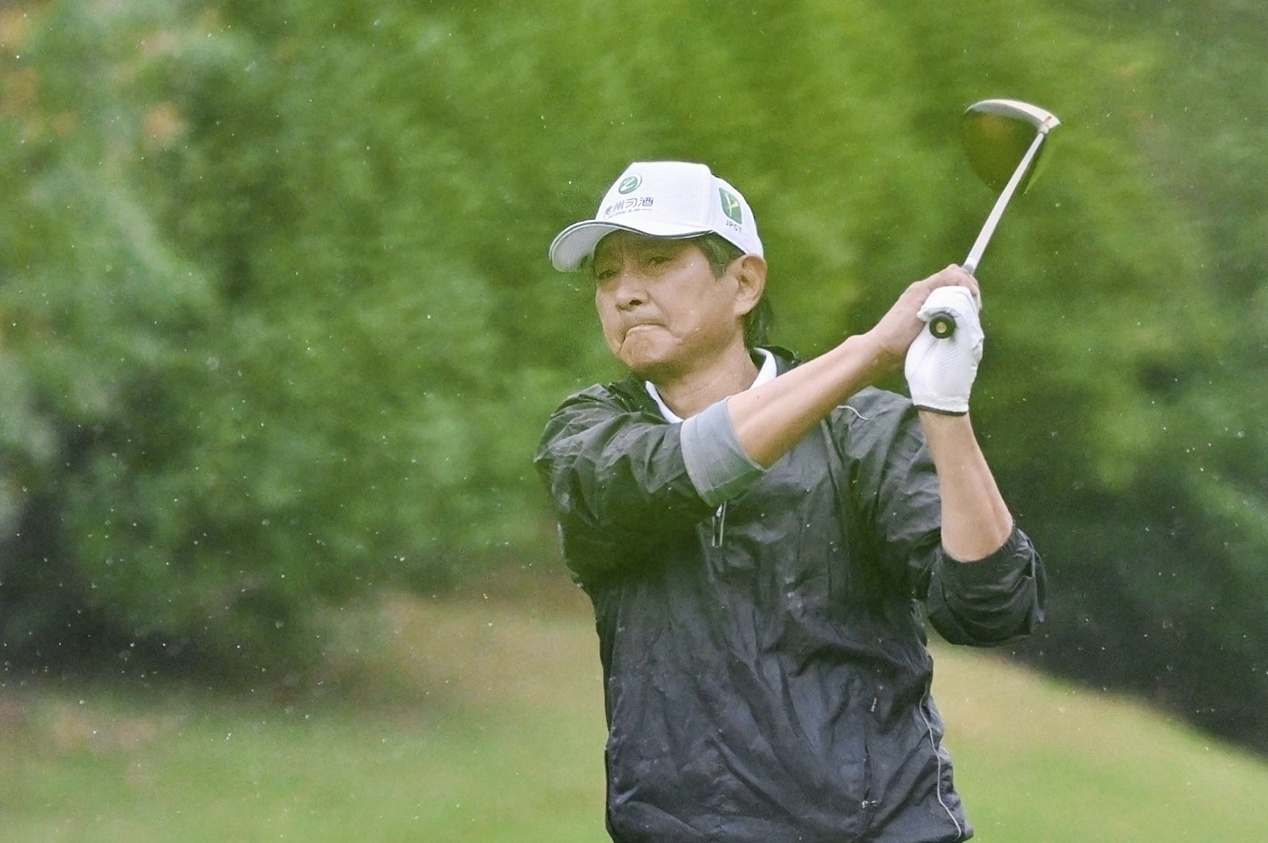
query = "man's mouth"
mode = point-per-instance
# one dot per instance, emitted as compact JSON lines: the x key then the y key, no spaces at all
{"x":637,"y":326}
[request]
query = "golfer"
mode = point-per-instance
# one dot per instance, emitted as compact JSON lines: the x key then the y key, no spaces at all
{"x":758,"y":535}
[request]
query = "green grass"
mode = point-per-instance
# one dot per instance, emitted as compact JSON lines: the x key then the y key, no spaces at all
{"x":485,"y":725}
{"x":1042,"y":762}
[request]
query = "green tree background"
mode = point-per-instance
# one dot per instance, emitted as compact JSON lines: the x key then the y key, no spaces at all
{"x":279,"y":332}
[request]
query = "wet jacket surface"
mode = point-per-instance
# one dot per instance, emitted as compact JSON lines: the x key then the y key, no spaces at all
{"x":766,"y":674}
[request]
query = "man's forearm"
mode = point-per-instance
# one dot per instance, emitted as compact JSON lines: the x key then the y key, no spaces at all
{"x":769,"y":420}
{"x":975,"y":519}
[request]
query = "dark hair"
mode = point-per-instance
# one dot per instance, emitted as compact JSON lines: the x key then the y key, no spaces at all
{"x":721,"y":253}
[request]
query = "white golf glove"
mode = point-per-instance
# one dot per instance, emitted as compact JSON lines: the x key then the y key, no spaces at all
{"x":940,"y":372}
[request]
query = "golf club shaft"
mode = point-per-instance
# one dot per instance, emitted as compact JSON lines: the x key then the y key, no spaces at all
{"x":988,"y":229}
{"x":942,"y":324}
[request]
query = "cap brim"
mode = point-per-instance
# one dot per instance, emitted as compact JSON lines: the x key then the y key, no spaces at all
{"x":576,"y":242}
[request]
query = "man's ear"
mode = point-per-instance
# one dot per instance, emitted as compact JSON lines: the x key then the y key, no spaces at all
{"x":750,"y":274}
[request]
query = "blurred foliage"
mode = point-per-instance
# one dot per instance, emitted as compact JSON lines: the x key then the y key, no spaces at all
{"x":279,"y":330}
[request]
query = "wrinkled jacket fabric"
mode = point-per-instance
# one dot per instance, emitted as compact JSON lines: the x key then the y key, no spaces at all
{"x":765,"y":663}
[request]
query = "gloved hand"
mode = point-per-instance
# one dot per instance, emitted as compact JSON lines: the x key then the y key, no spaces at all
{"x":940,"y":372}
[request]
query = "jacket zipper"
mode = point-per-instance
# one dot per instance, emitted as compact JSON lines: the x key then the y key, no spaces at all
{"x":719,"y":525}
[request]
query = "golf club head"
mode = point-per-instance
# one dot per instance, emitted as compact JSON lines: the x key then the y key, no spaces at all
{"x":996,"y":136}
{"x":1003,"y":139}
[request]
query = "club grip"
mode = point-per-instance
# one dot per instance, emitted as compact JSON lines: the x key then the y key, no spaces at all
{"x":942,"y":324}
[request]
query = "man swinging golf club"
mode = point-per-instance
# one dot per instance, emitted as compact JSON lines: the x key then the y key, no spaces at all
{"x":756,"y":535}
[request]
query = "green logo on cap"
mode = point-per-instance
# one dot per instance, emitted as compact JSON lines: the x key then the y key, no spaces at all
{"x":731,"y":207}
{"x":629,"y":184}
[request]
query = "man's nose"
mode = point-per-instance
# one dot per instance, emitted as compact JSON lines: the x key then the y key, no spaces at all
{"x":630,"y":290}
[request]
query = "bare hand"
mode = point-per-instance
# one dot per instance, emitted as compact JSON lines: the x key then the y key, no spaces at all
{"x":900,"y":325}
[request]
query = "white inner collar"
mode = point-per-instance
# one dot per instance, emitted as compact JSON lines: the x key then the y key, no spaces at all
{"x":765,"y":374}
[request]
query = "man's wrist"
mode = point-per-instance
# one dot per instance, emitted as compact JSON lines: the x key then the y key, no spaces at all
{"x":939,"y":411}
{"x":940,"y":420}
{"x":947,"y":434}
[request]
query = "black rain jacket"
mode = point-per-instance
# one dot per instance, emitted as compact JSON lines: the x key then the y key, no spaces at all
{"x":765,"y":662}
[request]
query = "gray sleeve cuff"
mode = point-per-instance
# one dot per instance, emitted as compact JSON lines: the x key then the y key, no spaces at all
{"x":716,"y":462}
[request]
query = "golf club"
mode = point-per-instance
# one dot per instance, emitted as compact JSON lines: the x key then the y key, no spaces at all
{"x":1003,"y":139}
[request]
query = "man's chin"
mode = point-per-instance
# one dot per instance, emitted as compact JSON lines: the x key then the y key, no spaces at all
{"x":638,"y":355}
{"x":649,"y":368}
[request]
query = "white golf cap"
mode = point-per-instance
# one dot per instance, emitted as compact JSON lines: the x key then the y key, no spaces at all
{"x":662,"y":199}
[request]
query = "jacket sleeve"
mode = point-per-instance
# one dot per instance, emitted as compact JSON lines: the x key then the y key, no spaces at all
{"x":991,"y":601}
{"x":618,"y":482}
{"x":982,"y":603}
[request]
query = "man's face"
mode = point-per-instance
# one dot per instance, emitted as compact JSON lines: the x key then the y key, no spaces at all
{"x":664,"y":313}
